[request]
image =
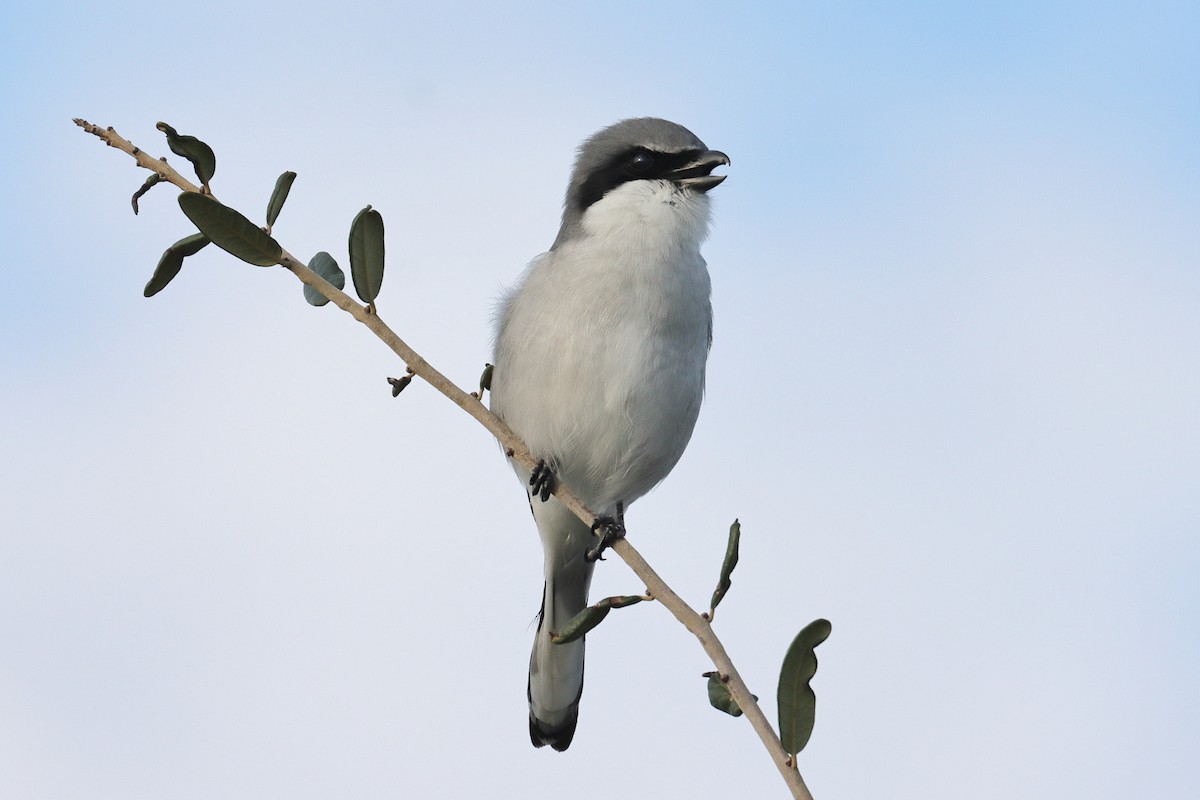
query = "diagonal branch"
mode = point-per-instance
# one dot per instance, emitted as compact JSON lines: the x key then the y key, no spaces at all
{"x":516,"y":449}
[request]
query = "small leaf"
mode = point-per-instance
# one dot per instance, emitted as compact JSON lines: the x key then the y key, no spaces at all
{"x":172,"y":261}
{"x":150,"y":182}
{"x":485,"y":380}
{"x":366,"y":254}
{"x":166,"y":270}
{"x":275,"y":204}
{"x":581,"y":623}
{"x":204,"y":161}
{"x":731,"y":559}
{"x":400,"y":384}
{"x":230,"y":231}
{"x":797,"y":701}
{"x":190,"y":245}
{"x":324,"y":265}
{"x":592,"y":616}
{"x":719,"y":696}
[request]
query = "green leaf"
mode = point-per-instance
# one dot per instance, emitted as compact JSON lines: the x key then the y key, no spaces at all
{"x":731,"y":559}
{"x":230,"y":231}
{"x":621,"y":602}
{"x":592,"y":616}
{"x":275,"y":205}
{"x":172,"y":261}
{"x":190,"y":245}
{"x":581,"y":623}
{"x":324,"y":265}
{"x":400,"y":384}
{"x":797,"y":701}
{"x":204,"y":161}
{"x":485,"y":380}
{"x":164,"y":272}
{"x":719,"y":696}
{"x":147,"y":186}
{"x":366,"y":254}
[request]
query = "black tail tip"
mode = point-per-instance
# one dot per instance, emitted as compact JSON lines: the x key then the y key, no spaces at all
{"x":558,"y":737}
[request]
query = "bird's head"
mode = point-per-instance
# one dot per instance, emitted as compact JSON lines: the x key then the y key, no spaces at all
{"x":625,"y":171}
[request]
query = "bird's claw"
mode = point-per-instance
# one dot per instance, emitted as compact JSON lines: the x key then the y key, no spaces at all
{"x":541,"y":481}
{"x":609,"y":529}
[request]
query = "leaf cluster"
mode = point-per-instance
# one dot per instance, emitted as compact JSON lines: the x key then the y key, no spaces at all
{"x":797,"y":702}
{"x":237,"y":235}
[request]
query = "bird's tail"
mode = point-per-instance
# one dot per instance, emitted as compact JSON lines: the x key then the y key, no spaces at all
{"x":556,"y":670}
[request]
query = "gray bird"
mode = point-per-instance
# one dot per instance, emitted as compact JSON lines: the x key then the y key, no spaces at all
{"x":599,"y":365}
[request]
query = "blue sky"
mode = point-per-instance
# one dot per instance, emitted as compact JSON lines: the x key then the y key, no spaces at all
{"x":952,"y":397}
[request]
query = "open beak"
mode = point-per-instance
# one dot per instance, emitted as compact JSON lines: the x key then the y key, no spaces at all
{"x":697,"y":175}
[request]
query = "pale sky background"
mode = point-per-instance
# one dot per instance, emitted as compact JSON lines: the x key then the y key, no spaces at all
{"x":953,"y":398}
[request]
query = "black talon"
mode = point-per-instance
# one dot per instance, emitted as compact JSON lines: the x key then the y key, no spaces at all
{"x":541,"y":481}
{"x":609,"y":529}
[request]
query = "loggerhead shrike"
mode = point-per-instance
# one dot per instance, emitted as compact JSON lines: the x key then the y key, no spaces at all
{"x":599,"y":365}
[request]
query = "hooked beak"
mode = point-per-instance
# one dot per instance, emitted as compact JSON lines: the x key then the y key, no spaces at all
{"x":697,"y":175}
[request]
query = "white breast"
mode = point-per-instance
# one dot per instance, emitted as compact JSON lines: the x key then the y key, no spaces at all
{"x":601,"y":347}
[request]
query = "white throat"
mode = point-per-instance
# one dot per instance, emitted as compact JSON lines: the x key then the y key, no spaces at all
{"x":648,"y":216}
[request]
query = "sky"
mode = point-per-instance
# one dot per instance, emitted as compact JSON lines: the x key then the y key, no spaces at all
{"x":952,"y":397}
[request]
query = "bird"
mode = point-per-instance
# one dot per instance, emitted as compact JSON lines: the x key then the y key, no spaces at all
{"x":598,"y":366}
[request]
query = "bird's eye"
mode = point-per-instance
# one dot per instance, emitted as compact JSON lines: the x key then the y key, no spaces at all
{"x":641,"y":163}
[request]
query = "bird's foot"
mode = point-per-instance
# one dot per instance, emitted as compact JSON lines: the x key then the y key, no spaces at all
{"x":609,"y":529}
{"x":542,"y":481}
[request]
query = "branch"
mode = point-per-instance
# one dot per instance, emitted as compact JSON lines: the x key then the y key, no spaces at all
{"x":159,"y":165}
{"x":516,"y":449}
